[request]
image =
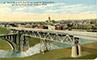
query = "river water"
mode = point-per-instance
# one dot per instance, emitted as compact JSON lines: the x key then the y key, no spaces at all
{"x":36,"y":48}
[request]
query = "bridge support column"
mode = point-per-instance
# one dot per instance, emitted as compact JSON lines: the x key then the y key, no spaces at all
{"x":21,"y":44}
{"x":25,"y":44}
{"x":44,"y":46}
{"x":76,"y":49}
{"x":48,"y":44}
{"x":80,"y":52}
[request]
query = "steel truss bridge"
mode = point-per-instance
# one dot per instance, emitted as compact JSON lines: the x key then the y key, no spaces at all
{"x":18,"y":38}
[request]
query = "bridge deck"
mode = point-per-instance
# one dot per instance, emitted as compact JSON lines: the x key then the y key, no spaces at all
{"x":86,"y":35}
{"x":7,"y":34}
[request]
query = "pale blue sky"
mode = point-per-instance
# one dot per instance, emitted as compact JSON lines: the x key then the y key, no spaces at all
{"x":70,"y":9}
{"x":82,"y":6}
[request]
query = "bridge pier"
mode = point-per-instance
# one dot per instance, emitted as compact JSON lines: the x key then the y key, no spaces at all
{"x":44,"y":46}
{"x":23,"y":43}
{"x":76,"y":49}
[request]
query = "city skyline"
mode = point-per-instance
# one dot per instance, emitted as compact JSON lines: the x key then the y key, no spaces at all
{"x":59,"y":10}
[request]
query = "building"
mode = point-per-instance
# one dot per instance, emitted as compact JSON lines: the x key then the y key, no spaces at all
{"x":51,"y":27}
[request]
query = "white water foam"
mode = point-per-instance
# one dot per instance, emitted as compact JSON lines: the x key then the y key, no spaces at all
{"x":31,"y":51}
{"x":36,"y":49}
{"x":3,"y":53}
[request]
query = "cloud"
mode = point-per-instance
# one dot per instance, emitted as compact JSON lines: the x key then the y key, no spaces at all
{"x":4,"y":8}
{"x":24,"y":16}
{"x":56,"y":4}
{"x":5,"y":5}
{"x":57,"y":11}
{"x":76,"y":8}
{"x":21,"y":9}
{"x":52,"y":8}
{"x":49,"y":5}
{"x":92,"y":12}
{"x":52,"y":11}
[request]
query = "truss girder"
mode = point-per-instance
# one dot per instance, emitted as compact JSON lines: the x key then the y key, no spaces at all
{"x":65,"y":38}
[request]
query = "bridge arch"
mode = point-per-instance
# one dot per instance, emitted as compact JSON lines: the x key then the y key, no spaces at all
{"x":12,"y":44}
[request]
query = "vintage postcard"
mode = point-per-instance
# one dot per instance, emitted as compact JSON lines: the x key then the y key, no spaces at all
{"x":48,"y":30}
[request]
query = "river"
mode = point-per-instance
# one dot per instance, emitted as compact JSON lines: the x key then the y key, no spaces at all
{"x":36,"y":48}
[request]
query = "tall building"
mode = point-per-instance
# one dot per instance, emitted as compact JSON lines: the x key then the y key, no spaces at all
{"x":49,"y":20}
